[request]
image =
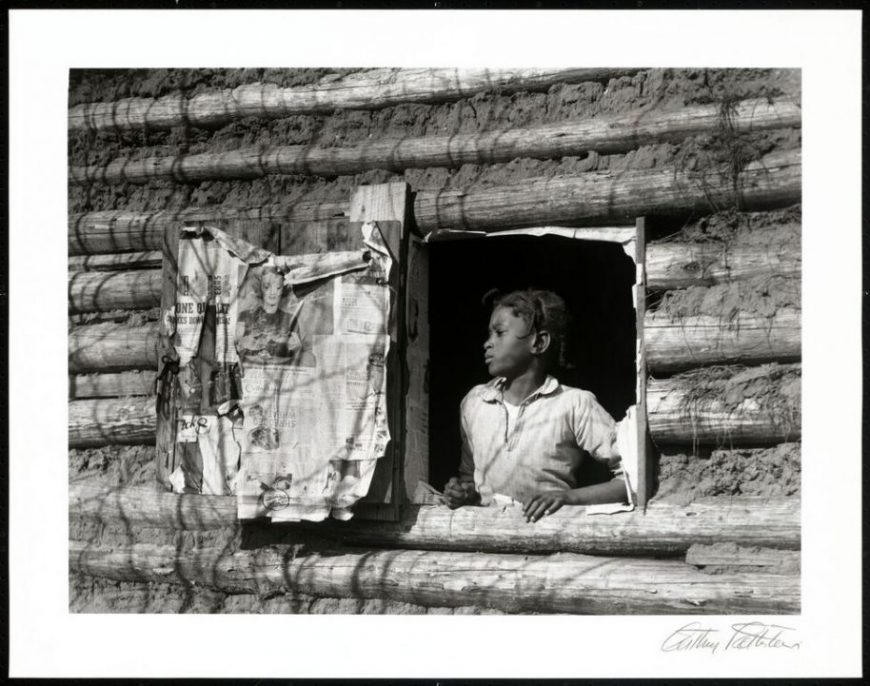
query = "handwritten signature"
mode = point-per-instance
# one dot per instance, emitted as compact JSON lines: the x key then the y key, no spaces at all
{"x":739,"y":636}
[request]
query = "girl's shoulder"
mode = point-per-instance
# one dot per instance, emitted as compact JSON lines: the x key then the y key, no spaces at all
{"x":482,"y":390}
{"x":479,"y":389}
{"x":577,"y":395}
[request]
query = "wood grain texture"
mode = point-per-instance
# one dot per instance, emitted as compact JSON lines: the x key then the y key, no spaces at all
{"x":104,"y":291}
{"x":584,"y":199}
{"x":664,"y":530}
{"x":113,"y":231}
{"x":732,"y":556}
{"x":109,"y":346}
{"x":121,"y":384}
{"x":367,"y":89}
{"x":604,"y":134}
{"x":679,"y":413}
{"x":561,"y":583}
{"x":144,"y":259}
{"x":680,"y":265}
{"x":112,"y":421}
{"x":676,"y":343}
{"x":611,"y":197}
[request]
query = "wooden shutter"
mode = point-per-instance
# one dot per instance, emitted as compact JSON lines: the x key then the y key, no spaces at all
{"x":388,"y":206}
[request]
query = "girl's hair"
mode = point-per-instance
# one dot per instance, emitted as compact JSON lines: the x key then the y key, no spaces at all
{"x":542,"y":311}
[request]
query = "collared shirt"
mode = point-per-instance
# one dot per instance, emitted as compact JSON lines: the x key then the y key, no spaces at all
{"x":555,"y":428}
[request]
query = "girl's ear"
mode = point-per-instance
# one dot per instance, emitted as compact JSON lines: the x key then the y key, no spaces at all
{"x":542,"y":342}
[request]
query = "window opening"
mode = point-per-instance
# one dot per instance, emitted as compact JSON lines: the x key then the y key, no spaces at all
{"x":595,"y":278}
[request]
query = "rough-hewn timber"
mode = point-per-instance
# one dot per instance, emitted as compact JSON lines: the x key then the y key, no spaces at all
{"x":370,"y":89}
{"x":681,"y":412}
{"x":115,"y":262}
{"x":593,"y":197}
{"x":110,"y":347}
{"x":122,"y":230}
{"x":103,"y":291}
{"x":121,"y":384}
{"x":772,"y":181}
{"x":613,"y":134}
{"x":732,"y":555}
{"x":674,"y":343}
{"x":107,"y":421}
{"x":564,"y":582}
{"x":664,"y":530}
{"x":680,"y":265}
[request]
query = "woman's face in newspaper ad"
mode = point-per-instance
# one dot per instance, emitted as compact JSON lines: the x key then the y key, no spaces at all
{"x":272,"y":284}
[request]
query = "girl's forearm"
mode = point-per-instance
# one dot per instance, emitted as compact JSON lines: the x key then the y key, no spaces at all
{"x":612,"y":491}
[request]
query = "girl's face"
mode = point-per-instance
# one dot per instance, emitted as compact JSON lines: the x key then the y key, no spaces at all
{"x":272,"y":284}
{"x":508,"y":349}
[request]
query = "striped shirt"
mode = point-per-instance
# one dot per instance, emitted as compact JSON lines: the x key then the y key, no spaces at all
{"x":555,"y":428}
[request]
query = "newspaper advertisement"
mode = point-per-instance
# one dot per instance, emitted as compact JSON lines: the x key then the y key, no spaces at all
{"x":281,"y":375}
{"x":206,"y":287}
{"x":313,"y":390}
{"x":207,"y":276}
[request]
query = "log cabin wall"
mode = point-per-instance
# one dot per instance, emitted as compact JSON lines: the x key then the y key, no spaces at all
{"x":711,"y":157}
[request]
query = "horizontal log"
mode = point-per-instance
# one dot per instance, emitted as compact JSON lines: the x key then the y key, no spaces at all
{"x":102,"y":291}
{"x":606,"y":134}
{"x":680,"y":265}
{"x":118,"y":385}
{"x":147,"y":507}
{"x":112,"y":421}
{"x":609,"y":197}
{"x":90,"y":594}
{"x":675,"y":343}
{"x":663,"y":530}
{"x":590,"y":198}
{"x":119,"y":230}
{"x":719,"y":412}
{"x":370,"y":89}
{"x":731,"y":555}
{"x":561,"y":583}
{"x":110,"y":346}
{"x":148,"y":259}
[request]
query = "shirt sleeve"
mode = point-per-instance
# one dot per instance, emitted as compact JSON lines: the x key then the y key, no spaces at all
{"x":595,"y":432}
{"x":466,"y":462}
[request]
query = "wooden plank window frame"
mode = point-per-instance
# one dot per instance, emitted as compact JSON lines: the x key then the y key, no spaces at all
{"x":645,"y":451}
{"x":388,"y":206}
{"x":644,"y":443}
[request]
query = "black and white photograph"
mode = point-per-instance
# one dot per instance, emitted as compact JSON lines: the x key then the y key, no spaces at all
{"x":487,"y":343}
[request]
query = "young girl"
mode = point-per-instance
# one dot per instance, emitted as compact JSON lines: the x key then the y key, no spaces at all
{"x":524,"y":434}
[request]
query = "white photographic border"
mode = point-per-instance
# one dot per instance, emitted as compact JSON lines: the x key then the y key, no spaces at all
{"x":46,"y":640}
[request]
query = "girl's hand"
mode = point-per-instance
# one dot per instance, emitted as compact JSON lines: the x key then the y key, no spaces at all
{"x":545,"y":503}
{"x":459,"y":493}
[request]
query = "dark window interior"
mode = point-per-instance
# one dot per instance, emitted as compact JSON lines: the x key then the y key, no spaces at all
{"x":595,"y":278}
